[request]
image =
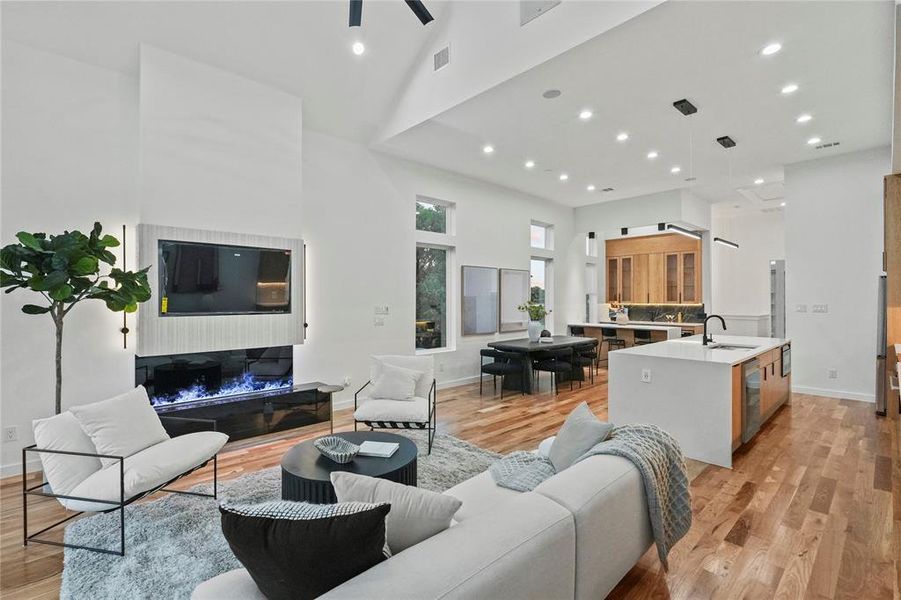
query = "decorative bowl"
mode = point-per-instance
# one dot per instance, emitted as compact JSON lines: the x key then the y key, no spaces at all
{"x":338,"y":449}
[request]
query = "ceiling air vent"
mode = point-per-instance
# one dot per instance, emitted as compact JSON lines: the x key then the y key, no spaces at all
{"x":829,"y":145}
{"x":607,"y":189}
{"x":442,"y":58}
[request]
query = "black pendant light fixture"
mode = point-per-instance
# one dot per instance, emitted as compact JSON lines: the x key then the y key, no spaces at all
{"x":726,"y":243}
{"x":418,"y":8}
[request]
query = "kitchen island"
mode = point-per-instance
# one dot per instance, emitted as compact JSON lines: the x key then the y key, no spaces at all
{"x":626,"y":332}
{"x":710,"y":398}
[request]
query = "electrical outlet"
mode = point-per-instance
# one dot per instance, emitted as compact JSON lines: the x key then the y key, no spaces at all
{"x":832,"y":373}
{"x":646,"y":376}
{"x":801,"y":308}
{"x":10,"y":434}
{"x":381,"y":309}
{"x":820,"y":308}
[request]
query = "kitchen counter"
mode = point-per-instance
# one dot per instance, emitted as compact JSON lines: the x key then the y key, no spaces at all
{"x":674,"y":323}
{"x":634,"y":326}
{"x":700,"y":394}
{"x":691,"y":348}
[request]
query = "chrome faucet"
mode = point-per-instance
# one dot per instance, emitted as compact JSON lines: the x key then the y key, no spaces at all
{"x":709,"y":338}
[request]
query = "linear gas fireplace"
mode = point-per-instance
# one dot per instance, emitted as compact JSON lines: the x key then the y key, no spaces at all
{"x":248,"y":392}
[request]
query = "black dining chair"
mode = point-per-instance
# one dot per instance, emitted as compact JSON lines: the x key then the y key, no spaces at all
{"x":555,"y":362}
{"x":502,"y":364}
{"x":586,"y":355}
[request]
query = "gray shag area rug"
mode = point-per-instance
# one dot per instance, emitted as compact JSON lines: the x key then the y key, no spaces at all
{"x":175,"y":543}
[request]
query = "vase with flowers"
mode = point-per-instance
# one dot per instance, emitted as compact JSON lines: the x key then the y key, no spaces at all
{"x":537,"y":312}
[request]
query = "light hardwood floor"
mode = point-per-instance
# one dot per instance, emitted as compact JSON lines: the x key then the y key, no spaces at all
{"x":807,"y":511}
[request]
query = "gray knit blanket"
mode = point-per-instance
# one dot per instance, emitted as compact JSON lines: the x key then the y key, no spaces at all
{"x":654,"y":453}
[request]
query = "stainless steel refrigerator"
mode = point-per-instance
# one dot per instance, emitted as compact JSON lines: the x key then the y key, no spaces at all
{"x":881,"y":348}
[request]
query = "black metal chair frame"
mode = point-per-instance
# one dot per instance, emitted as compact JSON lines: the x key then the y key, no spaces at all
{"x":610,"y":339}
{"x":495,"y":354}
{"x":555,"y":354}
{"x":645,"y":337}
{"x":114,"y":505}
{"x":431,"y":426}
{"x":578,"y":354}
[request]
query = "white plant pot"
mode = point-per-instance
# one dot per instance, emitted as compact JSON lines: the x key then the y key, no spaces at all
{"x":535,"y":328}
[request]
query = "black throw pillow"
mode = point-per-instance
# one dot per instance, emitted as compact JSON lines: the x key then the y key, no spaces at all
{"x":295,"y":550}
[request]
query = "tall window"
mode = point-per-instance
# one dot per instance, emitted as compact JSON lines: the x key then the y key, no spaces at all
{"x":434,"y":263}
{"x":431,"y":297}
{"x":431,"y":217}
{"x":538,"y":271}
{"x":542,"y":235}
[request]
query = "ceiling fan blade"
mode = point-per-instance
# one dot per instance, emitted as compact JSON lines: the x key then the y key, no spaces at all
{"x":356,"y":13}
{"x":421,"y":12}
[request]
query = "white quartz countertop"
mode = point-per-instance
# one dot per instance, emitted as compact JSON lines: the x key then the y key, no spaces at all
{"x":630,"y":325}
{"x":674,"y":323}
{"x":691,"y":348}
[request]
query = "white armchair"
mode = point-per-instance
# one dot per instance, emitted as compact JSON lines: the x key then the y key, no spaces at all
{"x":103,"y":456}
{"x":416,"y":412}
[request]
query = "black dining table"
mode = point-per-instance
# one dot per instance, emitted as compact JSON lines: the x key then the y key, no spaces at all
{"x":523,"y":382}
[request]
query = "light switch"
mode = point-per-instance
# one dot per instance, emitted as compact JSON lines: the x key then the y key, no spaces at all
{"x":381,"y":309}
{"x":646,"y":376}
{"x":820,"y":308}
{"x":378,"y":321}
{"x":801,"y":308}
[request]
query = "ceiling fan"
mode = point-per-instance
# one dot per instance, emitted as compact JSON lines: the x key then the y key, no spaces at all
{"x":418,"y":8}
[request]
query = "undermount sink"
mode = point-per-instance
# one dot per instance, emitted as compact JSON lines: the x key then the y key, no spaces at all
{"x":716,"y":346}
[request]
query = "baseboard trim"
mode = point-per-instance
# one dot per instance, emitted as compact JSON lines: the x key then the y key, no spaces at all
{"x":12,"y":469}
{"x":841,"y":395}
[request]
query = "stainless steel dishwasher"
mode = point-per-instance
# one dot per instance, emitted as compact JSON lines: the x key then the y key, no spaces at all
{"x":750,"y":400}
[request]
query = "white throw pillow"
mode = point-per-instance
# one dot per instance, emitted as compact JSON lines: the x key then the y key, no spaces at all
{"x":416,"y":514}
{"x":64,"y":432}
{"x":395,"y":383}
{"x":122,"y":425}
{"x":581,"y":432}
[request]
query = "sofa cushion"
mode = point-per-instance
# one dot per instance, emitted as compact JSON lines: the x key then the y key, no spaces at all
{"x":121,"y":425}
{"x":523,"y":549}
{"x":236,"y":584}
{"x":479,"y":494}
{"x":148,"y":469}
{"x":395,"y":383}
{"x":580,"y":433}
{"x":414,"y":411}
{"x":298,"y":551}
{"x":423,"y":364}
{"x":64,"y":432}
{"x":416,"y":514}
{"x":606,"y":496}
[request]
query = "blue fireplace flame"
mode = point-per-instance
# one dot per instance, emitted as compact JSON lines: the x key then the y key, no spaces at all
{"x":246,"y":384}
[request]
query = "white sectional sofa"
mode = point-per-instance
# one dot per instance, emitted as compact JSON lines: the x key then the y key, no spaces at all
{"x":575,"y":536}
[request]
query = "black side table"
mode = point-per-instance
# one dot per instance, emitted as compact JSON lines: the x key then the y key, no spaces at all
{"x":306,"y":474}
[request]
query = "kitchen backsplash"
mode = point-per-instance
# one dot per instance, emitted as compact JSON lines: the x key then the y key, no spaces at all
{"x":691,"y":313}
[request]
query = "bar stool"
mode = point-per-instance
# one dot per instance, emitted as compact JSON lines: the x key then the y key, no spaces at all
{"x":642,"y":337}
{"x":609,"y":335}
{"x":576,"y":330}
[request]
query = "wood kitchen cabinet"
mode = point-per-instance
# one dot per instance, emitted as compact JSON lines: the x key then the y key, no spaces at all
{"x":659,"y":269}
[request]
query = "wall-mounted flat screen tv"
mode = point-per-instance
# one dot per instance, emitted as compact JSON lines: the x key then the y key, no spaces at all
{"x":216,"y":279}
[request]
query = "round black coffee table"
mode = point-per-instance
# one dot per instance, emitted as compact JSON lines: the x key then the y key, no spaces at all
{"x":306,"y":473}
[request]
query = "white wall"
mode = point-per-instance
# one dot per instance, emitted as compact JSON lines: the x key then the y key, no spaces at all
{"x":73,"y":154}
{"x":833,"y":256}
{"x":741,"y":278}
{"x":359,"y":208}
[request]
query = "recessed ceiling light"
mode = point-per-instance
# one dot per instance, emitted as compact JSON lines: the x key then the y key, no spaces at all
{"x":590,"y":187}
{"x":814,"y":141}
{"x":563,"y":176}
{"x":530,"y":164}
{"x":771,"y":49}
{"x":758,"y":181}
{"x":675,"y":169}
{"x":358,"y":48}
{"x":487,"y":148}
{"x":803,"y":118}
{"x":585,"y":114}
{"x":791,"y":88}
{"x":782,"y":204}
{"x":551,"y":94}
{"x":622,"y":137}
{"x":652,"y":154}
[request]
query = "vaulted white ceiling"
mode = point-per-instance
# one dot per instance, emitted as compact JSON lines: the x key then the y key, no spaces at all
{"x":838,"y":53}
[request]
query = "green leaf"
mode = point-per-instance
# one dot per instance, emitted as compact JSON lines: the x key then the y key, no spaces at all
{"x":8,"y":279}
{"x":29,"y":240}
{"x":31,"y":309}
{"x":62,"y":293}
{"x":85,"y":266}
{"x":109,"y":241}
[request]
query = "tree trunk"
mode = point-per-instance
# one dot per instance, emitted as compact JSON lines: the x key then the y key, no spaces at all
{"x":58,"y":321}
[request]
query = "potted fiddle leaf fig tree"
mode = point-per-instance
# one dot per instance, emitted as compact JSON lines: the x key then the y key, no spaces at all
{"x":66,"y":269}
